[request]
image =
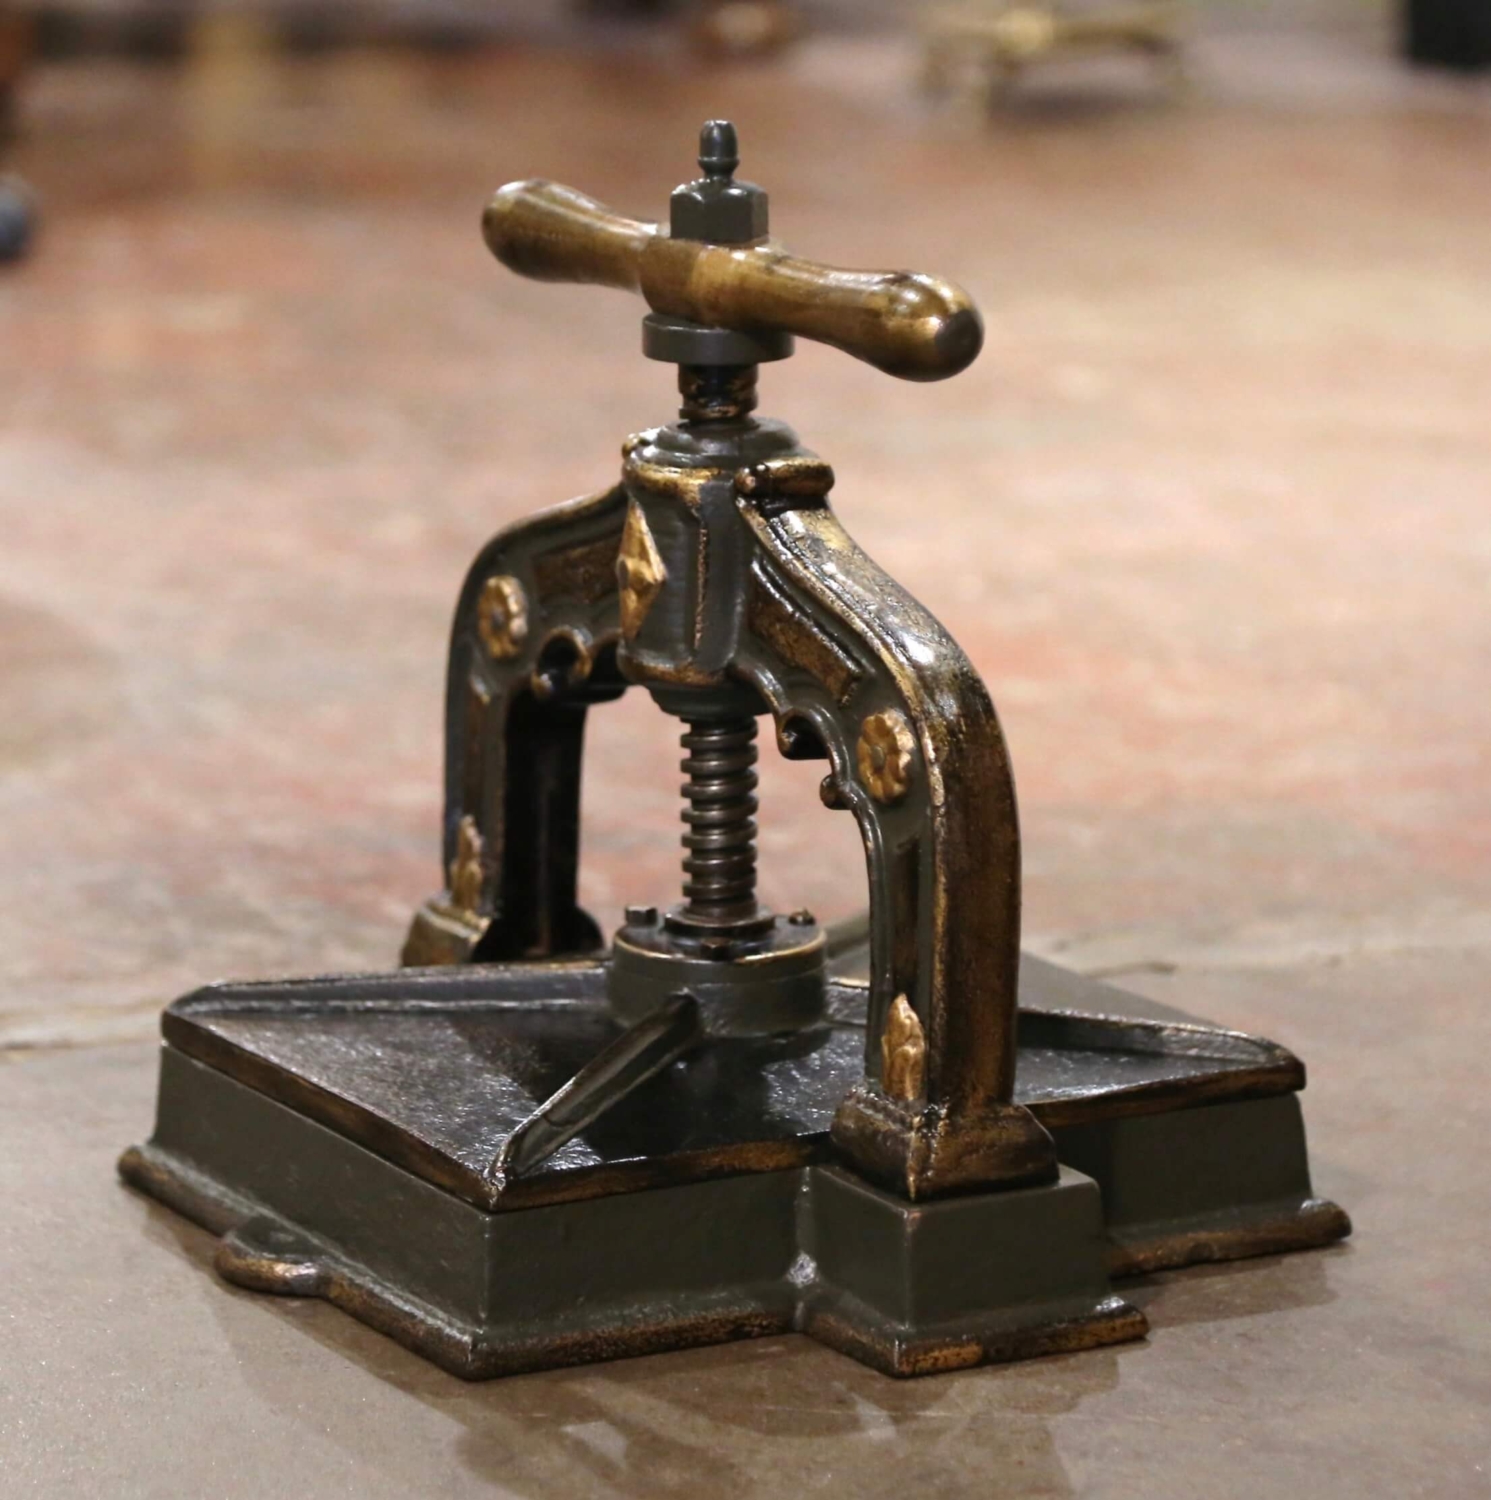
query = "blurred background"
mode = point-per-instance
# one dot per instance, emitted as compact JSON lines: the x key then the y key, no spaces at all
{"x":1209,"y":513}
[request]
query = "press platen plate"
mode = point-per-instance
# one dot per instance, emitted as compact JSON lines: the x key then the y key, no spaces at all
{"x":341,"y":1133}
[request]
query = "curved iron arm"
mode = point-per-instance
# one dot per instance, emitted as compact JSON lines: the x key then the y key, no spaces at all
{"x":853,"y":669}
{"x":532,"y":645}
{"x":850,"y":664}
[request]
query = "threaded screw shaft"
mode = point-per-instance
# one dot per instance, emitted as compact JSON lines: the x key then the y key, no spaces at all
{"x":720,"y":842}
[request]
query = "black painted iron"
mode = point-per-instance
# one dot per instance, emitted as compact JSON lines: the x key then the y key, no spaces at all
{"x":899,"y":1137}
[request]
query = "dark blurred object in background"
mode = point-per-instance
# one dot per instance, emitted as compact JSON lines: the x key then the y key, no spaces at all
{"x":1448,"y":33}
{"x":16,"y":210}
{"x":16,"y":33}
{"x":164,"y":29}
{"x":17,"y":219}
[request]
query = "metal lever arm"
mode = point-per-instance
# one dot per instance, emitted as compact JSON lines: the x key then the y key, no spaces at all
{"x":915,"y":326}
{"x":635,"y":1057}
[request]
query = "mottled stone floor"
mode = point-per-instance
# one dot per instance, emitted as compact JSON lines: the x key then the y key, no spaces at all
{"x":1212,"y":514}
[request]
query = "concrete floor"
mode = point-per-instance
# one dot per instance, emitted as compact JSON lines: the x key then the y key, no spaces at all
{"x":1212,"y":514}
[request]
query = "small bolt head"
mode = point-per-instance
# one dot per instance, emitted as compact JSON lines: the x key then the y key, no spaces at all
{"x":803,"y":918}
{"x":641,"y":916}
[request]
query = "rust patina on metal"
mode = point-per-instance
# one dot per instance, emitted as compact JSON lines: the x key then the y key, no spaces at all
{"x":532,"y":1147}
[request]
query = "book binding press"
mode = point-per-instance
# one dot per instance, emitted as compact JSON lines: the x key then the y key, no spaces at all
{"x":534,"y":1145}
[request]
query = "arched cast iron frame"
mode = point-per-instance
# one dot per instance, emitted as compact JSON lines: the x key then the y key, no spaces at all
{"x":828,"y":640}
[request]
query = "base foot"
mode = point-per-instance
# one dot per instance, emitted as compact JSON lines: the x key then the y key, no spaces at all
{"x":908,"y":1288}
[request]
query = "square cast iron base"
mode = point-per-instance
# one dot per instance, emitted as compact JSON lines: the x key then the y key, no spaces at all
{"x":906,"y":1288}
{"x":289,"y":1125}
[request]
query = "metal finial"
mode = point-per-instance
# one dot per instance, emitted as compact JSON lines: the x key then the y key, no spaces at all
{"x":715,"y":209}
{"x":719,"y":150}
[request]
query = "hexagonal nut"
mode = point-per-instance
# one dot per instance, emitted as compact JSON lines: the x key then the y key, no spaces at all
{"x":885,"y":753}
{"x":502,"y":616}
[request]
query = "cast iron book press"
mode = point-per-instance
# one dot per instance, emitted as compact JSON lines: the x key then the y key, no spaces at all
{"x":531,"y":1148}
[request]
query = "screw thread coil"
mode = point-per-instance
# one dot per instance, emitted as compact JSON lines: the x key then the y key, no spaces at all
{"x":716,"y":393}
{"x":720,"y":818}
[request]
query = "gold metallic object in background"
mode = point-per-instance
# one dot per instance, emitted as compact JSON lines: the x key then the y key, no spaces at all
{"x":985,"y":47}
{"x":743,"y":28}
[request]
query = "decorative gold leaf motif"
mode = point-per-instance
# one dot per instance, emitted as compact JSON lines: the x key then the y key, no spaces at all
{"x":903,"y":1053}
{"x":639,"y":571}
{"x":885,"y":751}
{"x":466,"y":873}
{"x":502,"y":616}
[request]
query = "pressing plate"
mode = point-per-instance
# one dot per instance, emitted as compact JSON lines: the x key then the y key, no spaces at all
{"x":433,"y":1069}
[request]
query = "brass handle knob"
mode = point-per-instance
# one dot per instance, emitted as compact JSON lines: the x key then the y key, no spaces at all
{"x":908,"y":324}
